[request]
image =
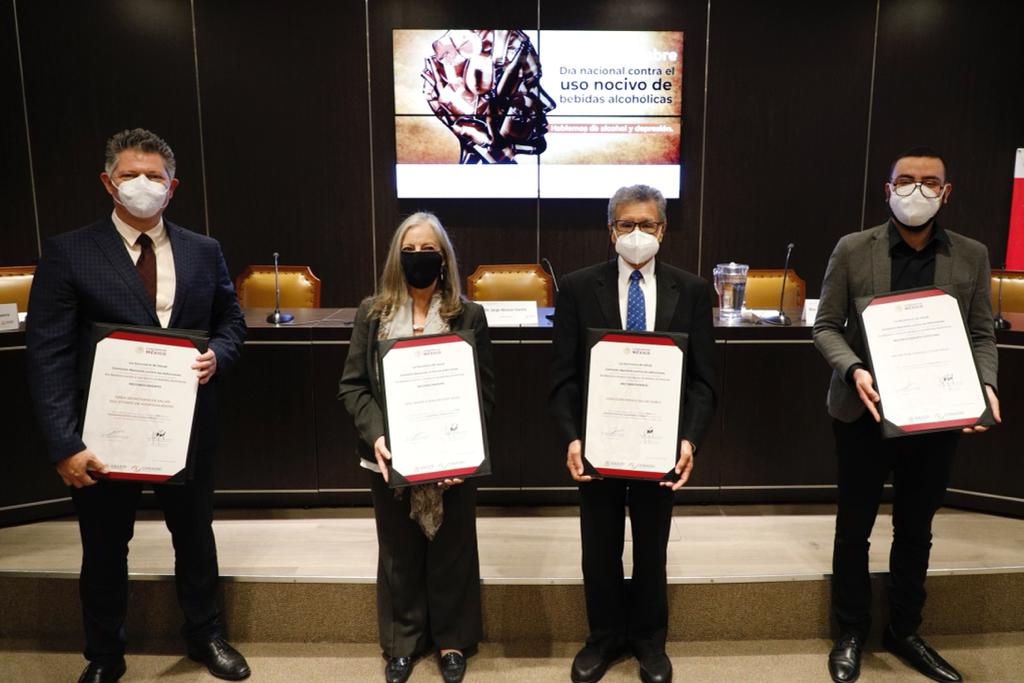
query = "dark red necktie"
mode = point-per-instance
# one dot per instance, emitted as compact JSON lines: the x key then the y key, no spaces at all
{"x":146,"y":265}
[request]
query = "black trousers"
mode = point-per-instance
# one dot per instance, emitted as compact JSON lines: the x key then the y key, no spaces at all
{"x":106,"y":521}
{"x":428,"y":592}
{"x":624,"y":613}
{"x":920,"y":466}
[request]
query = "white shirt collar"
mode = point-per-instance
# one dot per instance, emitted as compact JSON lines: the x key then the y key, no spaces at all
{"x":130,"y":234}
{"x":625,"y":270}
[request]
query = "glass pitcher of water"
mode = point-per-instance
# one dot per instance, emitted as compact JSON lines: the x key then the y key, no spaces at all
{"x":731,"y":285}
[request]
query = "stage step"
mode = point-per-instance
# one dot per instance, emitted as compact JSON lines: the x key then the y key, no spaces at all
{"x":743,"y":573}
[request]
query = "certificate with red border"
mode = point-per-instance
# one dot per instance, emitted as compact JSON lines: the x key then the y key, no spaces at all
{"x":433,"y":408}
{"x":920,"y":354}
{"x":141,"y":401}
{"x":633,"y":404}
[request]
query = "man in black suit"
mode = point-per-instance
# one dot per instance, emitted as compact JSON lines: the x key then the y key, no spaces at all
{"x":633,"y":292}
{"x":134,"y":268}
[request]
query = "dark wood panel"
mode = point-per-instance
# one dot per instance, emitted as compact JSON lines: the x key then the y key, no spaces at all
{"x":776,"y":431}
{"x":28,"y":475}
{"x":573,"y":233}
{"x":267,"y":436}
{"x":287,"y":138}
{"x":991,"y":462}
{"x":483,"y":230}
{"x":523,"y":422}
{"x":18,"y":238}
{"x":947,"y":77}
{"x":707,"y":463}
{"x":787,"y":129}
{"x":336,"y":437}
{"x":92,"y":69}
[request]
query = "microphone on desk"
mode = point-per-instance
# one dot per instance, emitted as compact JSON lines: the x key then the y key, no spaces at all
{"x":781,"y":319}
{"x":551,"y":271}
{"x":999,"y":322}
{"x":554,"y":282}
{"x":277,"y":317}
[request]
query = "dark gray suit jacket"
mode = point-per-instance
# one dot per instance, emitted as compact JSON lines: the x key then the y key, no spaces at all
{"x":359,"y":387}
{"x":861,"y":266}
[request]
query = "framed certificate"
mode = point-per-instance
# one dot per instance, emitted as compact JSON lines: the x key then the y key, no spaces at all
{"x":633,"y":404}
{"x":433,"y":409}
{"x":920,"y":355}
{"x":141,"y":401}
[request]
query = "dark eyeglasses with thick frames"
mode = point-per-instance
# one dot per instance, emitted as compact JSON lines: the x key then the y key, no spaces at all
{"x":930,"y":187}
{"x":626,"y":227}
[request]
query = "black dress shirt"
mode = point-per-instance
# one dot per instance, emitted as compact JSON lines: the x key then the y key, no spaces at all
{"x":913,"y":268}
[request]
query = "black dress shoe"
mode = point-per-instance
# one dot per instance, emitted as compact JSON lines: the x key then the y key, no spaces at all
{"x":844,"y":659}
{"x":590,"y":664}
{"x":103,"y":673}
{"x":222,"y":660}
{"x":453,"y":667}
{"x":398,"y":669}
{"x":656,"y":669}
{"x":914,"y":651}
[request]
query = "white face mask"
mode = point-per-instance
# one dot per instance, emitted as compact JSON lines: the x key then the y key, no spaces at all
{"x":915,"y":210}
{"x":637,"y":247}
{"x":144,"y":198}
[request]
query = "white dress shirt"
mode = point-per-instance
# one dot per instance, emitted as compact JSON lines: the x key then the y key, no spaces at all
{"x":648,"y":285}
{"x":165,"y":281}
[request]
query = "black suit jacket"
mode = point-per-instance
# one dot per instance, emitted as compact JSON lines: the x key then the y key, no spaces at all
{"x":86,"y":276}
{"x":589,"y":298}
{"x":359,"y":387}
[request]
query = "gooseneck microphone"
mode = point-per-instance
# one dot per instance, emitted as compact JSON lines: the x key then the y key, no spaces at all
{"x":277,"y":317}
{"x":554,"y":282}
{"x":781,"y":319}
{"x":551,"y":271}
{"x":999,"y":322}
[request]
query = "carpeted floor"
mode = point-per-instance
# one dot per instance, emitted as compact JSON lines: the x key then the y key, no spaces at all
{"x":993,"y":657}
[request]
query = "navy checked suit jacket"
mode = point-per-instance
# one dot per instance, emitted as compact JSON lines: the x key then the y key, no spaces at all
{"x":86,"y":276}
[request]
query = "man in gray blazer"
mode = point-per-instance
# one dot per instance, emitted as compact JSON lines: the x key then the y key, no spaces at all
{"x":910,"y":250}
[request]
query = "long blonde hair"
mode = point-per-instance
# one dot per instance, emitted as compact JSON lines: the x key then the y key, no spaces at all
{"x":392,"y":288}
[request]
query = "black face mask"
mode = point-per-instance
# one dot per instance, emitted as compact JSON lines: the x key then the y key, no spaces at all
{"x":421,"y":268}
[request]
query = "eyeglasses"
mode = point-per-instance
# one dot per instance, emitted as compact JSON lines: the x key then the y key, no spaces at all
{"x":930,"y":188}
{"x":626,"y":227}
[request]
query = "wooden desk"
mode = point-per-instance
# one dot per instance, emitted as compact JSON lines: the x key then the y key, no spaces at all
{"x":286,"y":440}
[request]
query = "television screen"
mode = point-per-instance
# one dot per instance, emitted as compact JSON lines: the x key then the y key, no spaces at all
{"x":510,"y":113}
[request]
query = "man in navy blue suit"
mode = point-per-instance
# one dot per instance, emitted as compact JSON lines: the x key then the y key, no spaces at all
{"x":134,"y":268}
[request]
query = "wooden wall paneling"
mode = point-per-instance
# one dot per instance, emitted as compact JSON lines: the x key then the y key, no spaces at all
{"x":336,"y":436}
{"x":524,"y":421}
{"x":948,"y":77}
{"x":991,"y":462}
{"x":573,"y":232}
{"x":776,"y":431}
{"x":286,"y":132}
{"x":267,"y":437}
{"x":29,"y":476}
{"x":707,"y":467}
{"x":95,"y":68}
{"x":483,"y":230}
{"x":788,"y":91}
{"x":17,"y":220}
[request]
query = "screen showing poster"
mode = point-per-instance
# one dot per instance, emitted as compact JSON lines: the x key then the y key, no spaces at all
{"x":525,"y":113}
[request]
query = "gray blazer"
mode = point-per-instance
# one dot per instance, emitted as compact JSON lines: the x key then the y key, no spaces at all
{"x":861,"y":266}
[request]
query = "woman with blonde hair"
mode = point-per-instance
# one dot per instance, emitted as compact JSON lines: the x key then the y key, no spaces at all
{"x":428,"y":569}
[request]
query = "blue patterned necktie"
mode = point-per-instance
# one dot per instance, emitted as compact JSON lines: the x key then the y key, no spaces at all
{"x":636,"y":316}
